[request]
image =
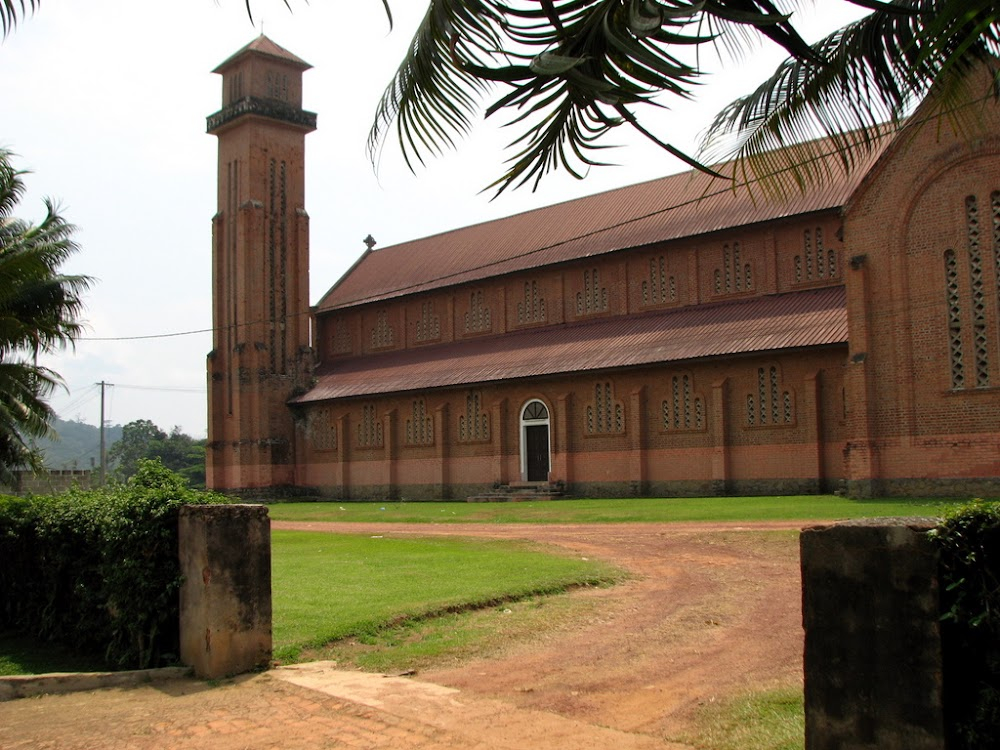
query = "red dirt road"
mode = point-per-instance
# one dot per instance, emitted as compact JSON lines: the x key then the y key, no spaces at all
{"x":713,"y":610}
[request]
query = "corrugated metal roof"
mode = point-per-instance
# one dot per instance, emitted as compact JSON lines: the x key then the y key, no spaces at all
{"x":798,"y":319}
{"x":682,"y":205}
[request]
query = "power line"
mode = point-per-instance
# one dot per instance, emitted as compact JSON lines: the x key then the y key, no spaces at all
{"x":149,"y":336}
{"x":165,"y":388}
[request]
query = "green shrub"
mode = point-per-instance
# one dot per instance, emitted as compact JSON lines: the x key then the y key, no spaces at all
{"x":969,"y":541}
{"x":97,"y":570}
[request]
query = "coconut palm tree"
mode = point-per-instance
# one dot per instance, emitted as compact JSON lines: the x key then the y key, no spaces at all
{"x":39,"y":309}
{"x":573,"y":70}
{"x":873,"y":73}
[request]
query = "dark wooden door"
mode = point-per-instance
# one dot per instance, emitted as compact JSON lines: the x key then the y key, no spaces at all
{"x":537,"y":452}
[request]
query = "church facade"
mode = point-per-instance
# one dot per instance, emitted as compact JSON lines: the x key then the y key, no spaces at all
{"x":668,"y":338}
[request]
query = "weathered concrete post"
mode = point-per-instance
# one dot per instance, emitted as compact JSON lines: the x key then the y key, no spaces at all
{"x":872,"y":659}
{"x":225,"y":599}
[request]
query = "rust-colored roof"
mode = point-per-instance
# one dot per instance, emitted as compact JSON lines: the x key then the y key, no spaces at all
{"x":756,"y":324}
{"x":682,"y":205}
{"x":264,"y":46}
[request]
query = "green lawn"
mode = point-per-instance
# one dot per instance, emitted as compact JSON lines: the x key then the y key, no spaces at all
{"x":334,"y":586}
{"x":331,"y":586}
{"x":632,"y":510}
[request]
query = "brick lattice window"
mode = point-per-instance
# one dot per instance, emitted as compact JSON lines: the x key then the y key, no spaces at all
{"x":382,"y":334}
{"x":474,"y":425}
{"x":660,"y":287}
{"x":594,"y":297}
{"x":684,"y":410}
{"x":420,"y":426}
{"x":341,"y":340}
{"x":277,"y":85}
{"x":429,"y":323}
{"x":978,"y":298}
{"x":995,"y":207}
{"x":369,"y":428}
{"x":967,"y":310}
{"x":771,"y":404}
{"x":816,"y":261}
{"x":532,"y":308}
{"x":605,"y":416}
{"x":322,"y":430}
{"x":735,"y":275}
{"x":478,"y":319}
{"x":954,"y":320}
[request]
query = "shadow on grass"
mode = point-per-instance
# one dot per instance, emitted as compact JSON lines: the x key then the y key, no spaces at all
{"x":22,"y":654}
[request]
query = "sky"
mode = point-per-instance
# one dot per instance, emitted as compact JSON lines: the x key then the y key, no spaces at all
{"x":105,"y":103}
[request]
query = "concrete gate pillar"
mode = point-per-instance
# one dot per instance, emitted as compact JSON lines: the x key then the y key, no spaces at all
{"x":225,"y":599}
{"x":870,"y":609}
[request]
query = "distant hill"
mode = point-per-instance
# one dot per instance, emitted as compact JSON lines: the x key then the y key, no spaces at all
{"x":78,"y":444}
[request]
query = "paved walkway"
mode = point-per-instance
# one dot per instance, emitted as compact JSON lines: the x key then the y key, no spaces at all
{"x":305,"y":706}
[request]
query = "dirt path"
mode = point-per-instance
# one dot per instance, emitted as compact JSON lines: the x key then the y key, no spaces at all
{"x":713,"y":610}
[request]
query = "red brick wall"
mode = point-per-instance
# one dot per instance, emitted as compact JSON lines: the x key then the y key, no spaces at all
{"x":914,"y":428}
{"x":626,"y":444}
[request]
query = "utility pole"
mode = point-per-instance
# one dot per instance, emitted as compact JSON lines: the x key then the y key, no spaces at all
{"x":104,"y":453}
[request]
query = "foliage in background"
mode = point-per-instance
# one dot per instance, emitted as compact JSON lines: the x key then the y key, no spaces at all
{"x":39,"y":309}
{"x":98,"y":570}
{"x":969,"y":541}
{"x":142,"y":440}
{"x":76,"y":444}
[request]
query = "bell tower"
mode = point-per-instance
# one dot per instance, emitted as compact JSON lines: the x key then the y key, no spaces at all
{"x":260,"y":269}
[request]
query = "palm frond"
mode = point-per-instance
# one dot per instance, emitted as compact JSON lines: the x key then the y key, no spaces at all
{"x":14,"y":11}
{"x":874,"y":71}
{"x":24,"y":415}
{"x":39,"y":311}
{"x":570,"y":71}
{"x":431,"y":98}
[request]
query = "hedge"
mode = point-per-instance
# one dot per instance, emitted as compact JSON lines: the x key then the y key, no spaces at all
{"x":969,"y":541}
{"x":98,"y":570}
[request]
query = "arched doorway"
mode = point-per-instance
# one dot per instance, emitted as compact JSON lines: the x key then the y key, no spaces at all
{"x":535,"y":448}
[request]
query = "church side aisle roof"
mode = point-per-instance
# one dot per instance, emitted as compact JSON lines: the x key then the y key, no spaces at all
{"x":669,"y":208}
{"x":755,"y":324}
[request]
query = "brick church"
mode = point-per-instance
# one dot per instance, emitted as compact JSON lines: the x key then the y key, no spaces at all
{"x":670,"y":338}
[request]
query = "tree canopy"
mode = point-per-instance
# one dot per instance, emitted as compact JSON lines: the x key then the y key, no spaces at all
{"x":39,"y":312}
{"x":142,"y":440}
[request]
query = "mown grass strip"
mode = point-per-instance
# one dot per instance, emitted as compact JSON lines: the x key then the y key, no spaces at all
{"x":631,"y":510}
{"x":332,"y":586}
{"x":450,"y":638}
